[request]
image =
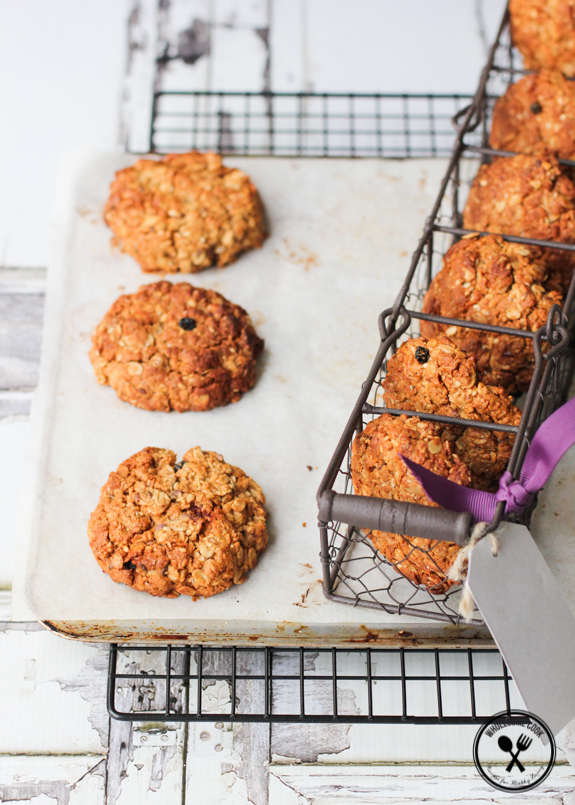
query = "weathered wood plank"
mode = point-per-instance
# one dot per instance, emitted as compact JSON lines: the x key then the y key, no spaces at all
{"x":52,"y":695}
{"x":13,"y":436}
{"x":22,"y":280}
{"x":146,"y":759}
{"x":41,"y":780}
{"x":21,"y":317}
{"x":387,"y":785}
{"x":19,"y":362}
{"x":228,"y":762}
{"x":15,"y":404}
{"x":138,"y":87}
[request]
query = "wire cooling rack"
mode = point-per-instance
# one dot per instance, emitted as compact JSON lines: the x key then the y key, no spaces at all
{"x":285,"y":685}
{"x":371,"y":685}
{"x":354,"y":571}
{"x":305,"y":124}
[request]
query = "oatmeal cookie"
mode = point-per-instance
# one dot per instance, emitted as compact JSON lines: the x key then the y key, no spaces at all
{"x":491,"y":281}
{"x":436,"y":377}
{"x":168,"y":529}
{"x":528,"y":196}
{"x":544,"y":33}
{"x":176,"y":347}
{"x":536,"y":115}
{"x":184,"y":213}
{"x":378,"y":471}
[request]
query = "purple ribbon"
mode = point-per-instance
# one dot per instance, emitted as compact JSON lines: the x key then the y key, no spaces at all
{"x":553,"y":438}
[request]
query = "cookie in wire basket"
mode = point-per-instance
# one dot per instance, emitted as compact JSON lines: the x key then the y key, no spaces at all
{"x":176,"y":347}
{"x":528,"y":196}
{"x":378,"y":471}
{"x":434,"y":376}
{"x":193,"y":528}
{"x":491,"y":281}
{"x":431,"y":376}
{"x":544,"y":33}
{"x":184,"y":213}
{"x":536,"y":115}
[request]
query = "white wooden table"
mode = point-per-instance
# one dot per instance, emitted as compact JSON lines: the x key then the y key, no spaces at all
{"x":73,"y":72}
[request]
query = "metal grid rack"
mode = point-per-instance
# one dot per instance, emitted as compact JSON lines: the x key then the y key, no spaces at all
{"x":272,"y":684}
{"x":305,"y":124}
{"x":294,"y":685}
{"x":369,"y":685}
{"x":354,"y":572}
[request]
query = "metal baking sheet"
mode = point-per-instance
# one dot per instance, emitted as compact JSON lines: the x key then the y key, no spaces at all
{"x":341,"y":232}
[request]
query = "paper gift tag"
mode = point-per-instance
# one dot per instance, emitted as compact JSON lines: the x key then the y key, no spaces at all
{"x":530,"y":621}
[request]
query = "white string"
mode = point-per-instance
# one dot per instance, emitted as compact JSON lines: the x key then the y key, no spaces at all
{"x":458,"y":570}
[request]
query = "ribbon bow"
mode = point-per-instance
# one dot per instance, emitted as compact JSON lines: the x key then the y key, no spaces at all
{"x":553,"y":438}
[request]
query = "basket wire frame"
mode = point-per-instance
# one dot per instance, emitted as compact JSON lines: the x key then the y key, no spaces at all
{"x":295,"y":685}
{"x":354,"y":572}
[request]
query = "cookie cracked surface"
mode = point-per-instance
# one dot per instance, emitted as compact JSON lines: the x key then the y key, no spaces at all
{"x":431,"y":376}
{"x":378,"y":471}
{"x":176,"y":347}
{"x":528,"y":196}
{"x":490,"y":281}
{"x":446,"y":383}
{"x":544,"y":33}
{"x":170,"y":529}
{"x":185,"y":212}
{"x":536,"y":115}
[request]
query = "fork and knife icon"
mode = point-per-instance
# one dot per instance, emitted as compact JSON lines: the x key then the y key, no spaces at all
{"x":506,"y":745}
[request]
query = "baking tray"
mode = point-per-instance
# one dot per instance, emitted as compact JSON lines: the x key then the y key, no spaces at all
{"x":337,"y":253}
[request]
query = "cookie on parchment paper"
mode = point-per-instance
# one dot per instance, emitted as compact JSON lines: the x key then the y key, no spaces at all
{"x":184,"y":213}
{"x":378,"y":471}
{"x":544,"y":33}
{"x":491,"y":281}
{"x":536,"y":115}
{"x":168,"y":529}
{"x":176,"y":347}
{"x":528,"y":196}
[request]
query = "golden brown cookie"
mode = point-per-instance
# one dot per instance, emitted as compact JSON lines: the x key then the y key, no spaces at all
{"x":536,"y":115}
{"x":490,"y":281}
{"x":437,"y":377}
{"x":528,"y":196}
{"x":193,"y":528}
{"x":544,"y":33}
{"x":184,"y":213}
{"x":378,"y":471}
{"x":176,"y":347}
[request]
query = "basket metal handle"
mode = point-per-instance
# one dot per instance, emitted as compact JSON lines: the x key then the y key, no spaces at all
{"x":396,"y":517}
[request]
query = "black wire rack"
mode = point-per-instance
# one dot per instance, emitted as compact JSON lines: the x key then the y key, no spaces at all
{"x":295,"y":685}
{"x":305,"y":124}
{"x":286,"y":685}
{"x":354,"y":571}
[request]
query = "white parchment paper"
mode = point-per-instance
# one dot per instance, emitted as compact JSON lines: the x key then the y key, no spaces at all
{"x":342,"y":232}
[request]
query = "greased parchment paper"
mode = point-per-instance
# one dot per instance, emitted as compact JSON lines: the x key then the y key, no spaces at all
{"x":341,"y":236}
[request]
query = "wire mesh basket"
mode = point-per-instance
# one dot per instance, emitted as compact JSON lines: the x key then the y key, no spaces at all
{"x":354,"y":571}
